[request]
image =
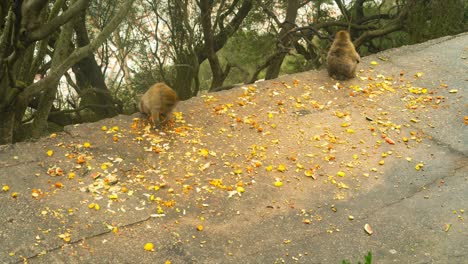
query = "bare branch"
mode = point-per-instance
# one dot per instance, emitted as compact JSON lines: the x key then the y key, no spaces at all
{"x":77,"y":55}
{"x":343,"y":10}
{"x":368,"y":35}
{"x":395,"y":25}
{"x":343,"y":24}
{"x":54,"y":24}
{"x":271,"y":15}
{"x":307,"y":28}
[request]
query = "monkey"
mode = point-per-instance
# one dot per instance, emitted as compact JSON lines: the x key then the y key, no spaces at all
{"x":157,"y":102}
{"x":342,"y":58}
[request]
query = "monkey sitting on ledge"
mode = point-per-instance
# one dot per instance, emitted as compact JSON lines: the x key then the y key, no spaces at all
{"x":158,"y":102}
{"x":342,"y":57}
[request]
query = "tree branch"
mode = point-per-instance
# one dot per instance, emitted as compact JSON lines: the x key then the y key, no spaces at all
{"x":342,"y":24}
{"x":374,"y":17}
{"x":343,"y":10}
{"x":395,"y":25}
{"x":359,"y":6}
{"x":264,"y":66}
{"x":82,"y":107}
{"x":77,"y":55}
{"x":54,"y":24}
{"x":271,"y":15}
{"x":309,"y":28}
{"x":368,"y":35}
{"x":221,"y":38}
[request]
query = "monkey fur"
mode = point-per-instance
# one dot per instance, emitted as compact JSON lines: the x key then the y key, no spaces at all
{"x":157,"y":102}
{"x":342,"y":57}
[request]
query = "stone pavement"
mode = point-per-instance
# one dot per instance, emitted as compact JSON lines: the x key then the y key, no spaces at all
{"x":286,"y":171}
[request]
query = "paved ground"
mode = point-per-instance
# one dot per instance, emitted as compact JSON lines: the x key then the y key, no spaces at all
{"x":290,"y":170}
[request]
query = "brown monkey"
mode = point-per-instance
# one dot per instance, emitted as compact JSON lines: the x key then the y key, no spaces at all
{"x":158,"y":102}
{"x":342,"y":57}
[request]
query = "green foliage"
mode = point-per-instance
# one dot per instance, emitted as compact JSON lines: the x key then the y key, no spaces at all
{"x":367,"y":258}
{"x":245,"y":51}
{"x":293,"y":63}
{"x":465,"y":16}
{"x":248,"y":49}
{"x":447,"y":17}
{"x":433,"y":19}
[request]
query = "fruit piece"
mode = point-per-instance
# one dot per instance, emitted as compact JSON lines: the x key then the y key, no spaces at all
{"x":149,"y":247}
{"x":368,"y":229}
{"x":278,"y":183}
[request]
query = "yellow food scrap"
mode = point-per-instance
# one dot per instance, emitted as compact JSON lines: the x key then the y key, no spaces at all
{"x":278,"y":183}
{"x":281,"y":167}
{"x":149,"y":247}
{"x":419,"y":166}
{"x":447,"y":227}
{"x":159,"y":210}
{"x":203,"y":152}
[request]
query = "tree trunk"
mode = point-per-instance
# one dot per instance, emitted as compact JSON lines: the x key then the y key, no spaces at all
{"x":7,"y":122}
{"x":274,"y":68}
{"x":92,"y":87}
{"x":186,"y":75}
{"x":61,"y":52}
{"x":206,"y":9}
{"x":284,"y":40}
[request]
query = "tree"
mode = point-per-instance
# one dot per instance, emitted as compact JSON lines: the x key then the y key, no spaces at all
{"x":284,"y":42}
{"x":30,"y":26}
{"x":215,"y":35}
{"x":183,"y":35}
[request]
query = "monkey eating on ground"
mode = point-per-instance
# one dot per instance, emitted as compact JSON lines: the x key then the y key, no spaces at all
{"x":158,"y":102}
{"x":342,"y":57}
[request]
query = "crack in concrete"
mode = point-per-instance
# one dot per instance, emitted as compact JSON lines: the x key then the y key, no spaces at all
{"x":422,"y":187}
{"x":452,"y":149}
{"x":419,"y":190}
{"x":83,"y":239}
{"x":6,"y":165}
